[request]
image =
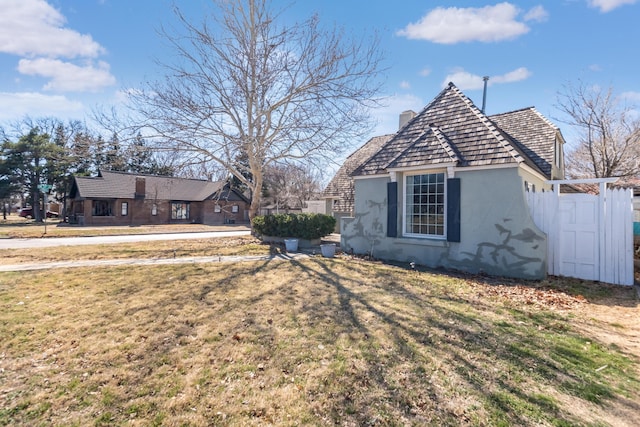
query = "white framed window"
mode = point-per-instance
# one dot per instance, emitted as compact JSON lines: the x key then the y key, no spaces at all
{"x":235,"y":208}
{"x":425,"y":205}
{"x":154,"y":209}
{"x":217,"y":208}
{"x":124,"y":208}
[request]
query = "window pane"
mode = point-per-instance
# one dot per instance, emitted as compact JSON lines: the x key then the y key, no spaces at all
{"x":425,"y":196}
{"x":179,"y":210}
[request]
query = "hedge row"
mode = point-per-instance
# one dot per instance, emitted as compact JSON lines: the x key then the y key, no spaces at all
{"x":302,"y":226}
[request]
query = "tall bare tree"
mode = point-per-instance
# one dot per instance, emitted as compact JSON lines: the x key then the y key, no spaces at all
{"x":608,"y":132}
{"x":247,"y":92}
{"x":290,"y":185}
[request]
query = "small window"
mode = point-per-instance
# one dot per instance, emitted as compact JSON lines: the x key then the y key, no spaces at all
{"x":124,"y":209}
{"x":235,"y":208}
{"x":217,"y":208}
{"x":154,"y":209}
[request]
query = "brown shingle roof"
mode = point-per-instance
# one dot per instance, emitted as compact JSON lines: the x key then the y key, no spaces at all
{"x":535,"y":135}
{"x":341,"y":186}
{"x":121,"y":185}
{"x":451,"y":129}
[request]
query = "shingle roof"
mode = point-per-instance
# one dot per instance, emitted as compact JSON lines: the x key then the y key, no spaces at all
{"x":341,"y":186}
{"x":534,"y":134}
{"x":121,"y":185}
{"x":451,"y":129}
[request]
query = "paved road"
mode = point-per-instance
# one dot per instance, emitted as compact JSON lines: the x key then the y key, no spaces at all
{"x":106,"y":240}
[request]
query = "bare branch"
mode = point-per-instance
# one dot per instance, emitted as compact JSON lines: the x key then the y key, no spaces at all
{"x":609,"y":135}
{"x":247,"y":92}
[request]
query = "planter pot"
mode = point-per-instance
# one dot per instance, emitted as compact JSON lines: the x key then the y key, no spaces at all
{"x":302,"y":243}
{"x":291,"y":245}
{"x":328,"y":250}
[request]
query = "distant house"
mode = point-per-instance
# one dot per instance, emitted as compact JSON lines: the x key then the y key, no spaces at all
{"x":448,"y":190}
{"x":118,"y":198}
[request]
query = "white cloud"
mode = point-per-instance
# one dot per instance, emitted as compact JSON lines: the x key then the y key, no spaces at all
{"x":595,"y":67}
{"x":66,"y":76}
{"x":536,"y":14}
{"x":405,"y":84}
{"x":464,"y":80}
{"x":512,"y":76}
{"x":468,"y":81}
{"x":608,"y":5}
{"x":486,"y":24}
{"x":425,"y":72}
{"x":34,"y":28}
{"x":13,"y":105}
{"x":35,"y":31}
{"x":632,"y":97}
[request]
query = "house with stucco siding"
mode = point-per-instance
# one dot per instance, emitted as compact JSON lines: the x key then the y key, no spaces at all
{"x":448,"y":190}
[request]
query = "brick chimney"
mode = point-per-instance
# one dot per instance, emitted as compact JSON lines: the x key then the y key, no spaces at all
{"x":140,"y":187}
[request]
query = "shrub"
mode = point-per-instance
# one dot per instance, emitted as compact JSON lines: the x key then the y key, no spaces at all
{"x":302,"y":226}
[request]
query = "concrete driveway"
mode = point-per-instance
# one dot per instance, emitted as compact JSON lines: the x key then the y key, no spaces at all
{"x":107,"y":240}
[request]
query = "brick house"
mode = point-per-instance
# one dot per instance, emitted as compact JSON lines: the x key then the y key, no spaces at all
{"x":119,"y":198}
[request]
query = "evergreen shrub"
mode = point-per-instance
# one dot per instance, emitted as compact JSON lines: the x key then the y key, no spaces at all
{"x":301,"y":226}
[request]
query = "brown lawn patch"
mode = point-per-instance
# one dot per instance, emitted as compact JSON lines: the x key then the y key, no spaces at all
{"x":313,"y":342}
{"x":241,"y":245}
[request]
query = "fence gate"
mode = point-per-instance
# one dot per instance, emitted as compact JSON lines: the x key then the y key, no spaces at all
{"x":588,"y":236}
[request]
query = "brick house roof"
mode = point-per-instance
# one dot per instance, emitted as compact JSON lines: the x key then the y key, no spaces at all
{"x":122,"y":185}
{"x":452,"y":130}
{"x":341,"y":186}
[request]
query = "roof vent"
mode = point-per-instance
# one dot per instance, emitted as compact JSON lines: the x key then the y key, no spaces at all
{"x":484,"y":93}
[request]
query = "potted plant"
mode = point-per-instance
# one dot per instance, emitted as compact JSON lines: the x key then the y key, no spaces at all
{"x":328,"y":250}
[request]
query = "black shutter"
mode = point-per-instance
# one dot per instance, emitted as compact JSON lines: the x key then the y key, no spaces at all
{"x":392,"y":209}
{"x":453,"y":209}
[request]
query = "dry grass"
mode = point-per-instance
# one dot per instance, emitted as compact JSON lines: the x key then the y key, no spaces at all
{"x":243,"y":245}
{"x":313,"y":342}
{"x":16,"y":227}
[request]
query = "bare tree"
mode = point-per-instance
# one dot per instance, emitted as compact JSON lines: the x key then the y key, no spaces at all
{"x":609,"y":133}
{"x":289,"y":185}
{"x":247,"y":92}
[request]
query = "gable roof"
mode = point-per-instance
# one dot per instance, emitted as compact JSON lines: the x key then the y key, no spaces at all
{"x":341,"y":186}
{"x":452,"y":130}
{"x":533,"y":132}
{"x":122,"y":185}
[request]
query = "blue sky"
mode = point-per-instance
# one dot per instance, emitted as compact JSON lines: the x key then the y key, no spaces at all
{"x":61,"y":58}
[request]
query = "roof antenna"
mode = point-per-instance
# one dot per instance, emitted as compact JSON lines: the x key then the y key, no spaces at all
{"x":484,"y":93}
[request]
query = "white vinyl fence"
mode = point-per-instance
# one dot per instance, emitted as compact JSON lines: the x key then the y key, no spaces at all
{"x":588,"y":236}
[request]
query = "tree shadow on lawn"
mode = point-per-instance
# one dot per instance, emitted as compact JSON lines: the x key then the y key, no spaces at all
{"x":441,"y":359}
{"x":358,"y":343}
